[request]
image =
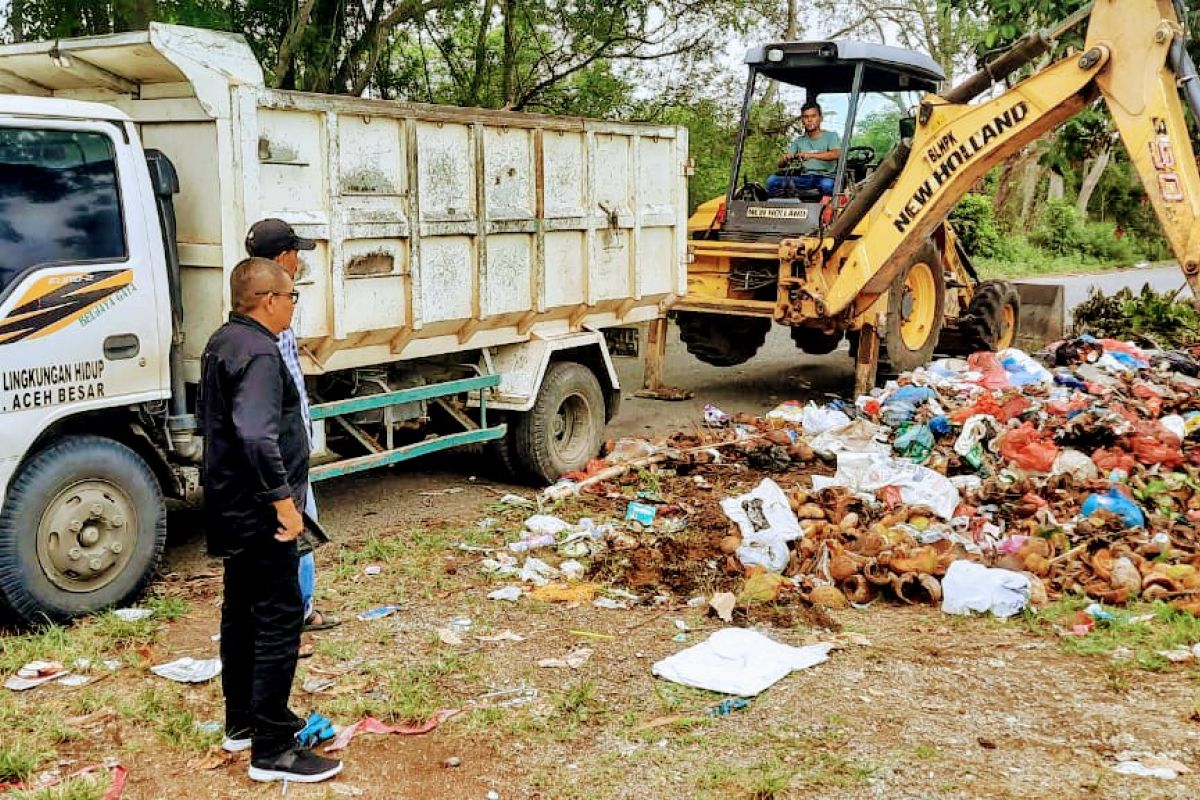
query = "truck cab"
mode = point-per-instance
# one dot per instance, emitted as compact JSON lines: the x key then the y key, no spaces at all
{"x":844,"y":77}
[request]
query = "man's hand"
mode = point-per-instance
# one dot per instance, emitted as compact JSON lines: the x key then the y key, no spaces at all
{"x":291,"y":523}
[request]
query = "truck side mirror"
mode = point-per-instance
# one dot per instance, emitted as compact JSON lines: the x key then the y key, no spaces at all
{"x":163,"y":178}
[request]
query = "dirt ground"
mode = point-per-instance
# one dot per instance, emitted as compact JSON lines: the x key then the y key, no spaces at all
{"x":913,"y":704}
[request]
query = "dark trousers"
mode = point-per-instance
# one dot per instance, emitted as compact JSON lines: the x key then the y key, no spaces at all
{"x":261,"y":620}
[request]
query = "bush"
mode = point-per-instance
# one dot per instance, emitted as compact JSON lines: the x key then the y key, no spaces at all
{"x":1099,"y":241}
{"x":1061,"y":230}
{"x":975,"y":223}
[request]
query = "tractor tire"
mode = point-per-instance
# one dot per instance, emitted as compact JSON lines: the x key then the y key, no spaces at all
{"x":916,"y":313}
{"x":993,"y":317}
{"x":815,"y":342}
{"x":501,"y":454}
{"x":723,"y":340}
{"x":565,"y":428}
{"x":83,"y":530}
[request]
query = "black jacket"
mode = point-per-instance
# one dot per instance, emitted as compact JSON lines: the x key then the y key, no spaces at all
{"x":255,"y":442}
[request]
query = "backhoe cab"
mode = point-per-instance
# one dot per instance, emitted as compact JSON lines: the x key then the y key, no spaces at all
{"x":844,"y":76}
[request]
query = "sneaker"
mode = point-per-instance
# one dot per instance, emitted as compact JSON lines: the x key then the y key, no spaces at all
{"x":298,"y":765}
{"x":236,"y":742}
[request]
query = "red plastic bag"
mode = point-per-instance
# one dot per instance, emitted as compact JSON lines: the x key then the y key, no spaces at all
{"x":1154,"y":444}
{"x":1029,"y":448}
{"x":1065,"y":408}
{"x":994,"y":377}
{"x":1107,"y":459}
{"x":1152,"y":399}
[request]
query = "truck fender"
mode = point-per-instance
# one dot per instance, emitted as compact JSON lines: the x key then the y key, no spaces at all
{"x":522,"y":367}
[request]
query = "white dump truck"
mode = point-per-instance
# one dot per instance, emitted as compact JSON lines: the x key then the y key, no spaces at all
{"x":468,"y":262}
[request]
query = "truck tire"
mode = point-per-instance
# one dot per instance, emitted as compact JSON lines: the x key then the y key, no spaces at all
{"x":83,"y":529}
{"x":816,"y":342}
{"x":993,"y":317}
{"x":723,"y":340}
{"x":502,"y":454}
{"x":565,"y":427}
{"x":916,"y":309}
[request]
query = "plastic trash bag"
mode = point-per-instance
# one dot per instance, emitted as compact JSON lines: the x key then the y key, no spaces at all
{"x":1029,"y":448}
{"x":915,"y":442}
{"x":738,"y":661}
{"x":1076,"y":464}
{"x":817,"y":420}
{"x":992,"y":374}
{"x":1115,"y":501}
{"x":870,"y":472}
{"x":767,"y":523}
{"x":969,"y":587}
{"x":1021,"y":369}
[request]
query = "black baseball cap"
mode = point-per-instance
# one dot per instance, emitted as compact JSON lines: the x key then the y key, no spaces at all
{"x":270,"y":237}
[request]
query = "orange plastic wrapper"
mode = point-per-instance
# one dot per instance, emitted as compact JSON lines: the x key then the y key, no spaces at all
{"x":1012,"y":407}
{"x":1107,"y":459}
{"x":1152,"y":400}
{"x":994,"y":376}
{"x":1029,"y":448}
{"x":1154,"y":444}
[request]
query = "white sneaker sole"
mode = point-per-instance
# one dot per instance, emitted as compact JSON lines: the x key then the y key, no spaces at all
{"x":264,"y":775}
{"x":236,"y":745}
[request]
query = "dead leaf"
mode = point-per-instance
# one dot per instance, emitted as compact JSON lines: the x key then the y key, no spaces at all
{"x":503,"y":636}
{"x":449,"y":636}
{"x":215,"y":758}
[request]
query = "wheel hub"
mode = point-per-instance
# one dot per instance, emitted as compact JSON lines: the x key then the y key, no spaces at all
{"x":570,"y":427}
{"x":85,"y":539}
{"x":918,"y":306}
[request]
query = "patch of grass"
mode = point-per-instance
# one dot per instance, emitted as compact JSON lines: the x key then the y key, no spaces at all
{"x":91,"y":787}
{"x":765,"y":780}
{"x":1166,"y":630}
{"x":577,"y":704}
{"x":1118,"y":678}
{"x":166,"y":711}
{"x":19,"y":759}
{"x":51,"y":643}
{"x":925,"y":752}
{"x":168,"y":609}
{"x":110,"y":632}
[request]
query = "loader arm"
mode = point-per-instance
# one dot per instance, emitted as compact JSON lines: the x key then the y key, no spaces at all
{"x":1124,"y":60}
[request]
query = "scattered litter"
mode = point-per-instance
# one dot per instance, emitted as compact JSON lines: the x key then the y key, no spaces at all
{"x":572,"y":570}
{"x":574,"y":659}
{"x":345,"y":789}
{"x":609,"y":604}
{"x":378,"y":613}
{"x":317,"y":728}
{"x":189,"y":670}
{"x":738,"y":661}
{"x":452,"y":762}
{"x":119,"y":777}
{"x":566,"y":592}
{"x":510,"y":593}
{"x":593,"y":635}
{"x":505,"y":698}
{"x":34,"y":674}
{"x":74,"y":681}
{"x":723,"y":603}
{"x":728,"y":706}
{"x":503,"y":636}
{"x":133,"y":614}
{"x":371,"y":570}
{"x":317,"y":685}
{"x":1153,"y":767}
{"x":970,"y":587}
{"x":641,"y":513}
{"x":516,"y":500}
{"x":449,"y":636}
{"x":372,"y":725}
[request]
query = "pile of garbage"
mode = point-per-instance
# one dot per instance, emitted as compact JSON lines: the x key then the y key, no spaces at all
{"x":985,"y":484}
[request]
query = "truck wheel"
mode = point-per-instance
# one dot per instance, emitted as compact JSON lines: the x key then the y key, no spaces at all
{"x":565,"y":427}
{"x":723,"y":340}
{"x":916,"y":305}
{"x":993,"y":317}
{"x":83,"y":529}
{"x":502,"y":454}
{"x":815,"y":342}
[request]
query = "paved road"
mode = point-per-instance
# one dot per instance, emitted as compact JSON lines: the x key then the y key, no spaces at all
{"x":1160,"y":278}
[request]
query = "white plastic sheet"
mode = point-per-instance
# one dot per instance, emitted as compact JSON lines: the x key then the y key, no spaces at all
{"x":738,"y":661}
{"x":767,"y":523}
{"x":870,"y":472}
{"x":969,"y":587}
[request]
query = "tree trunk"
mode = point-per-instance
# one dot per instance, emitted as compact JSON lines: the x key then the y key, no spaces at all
{"x":16,"y":20}
{"x":793,"y":28}
{"x":1055,"y":190}
{"x":508,"y":74}
{"x":1092,"y":179}
{"x":1007,"y":182}
{"x":1029,"y":182}
{"x":133,"y":15}
{"x":291,"y":41}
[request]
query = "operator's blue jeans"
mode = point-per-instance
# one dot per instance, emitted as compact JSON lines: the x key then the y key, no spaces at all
{"x":308,"y":563}
{"x":785,"y":185}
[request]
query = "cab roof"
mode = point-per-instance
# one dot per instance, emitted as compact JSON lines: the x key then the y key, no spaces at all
{"x":828,"y":66}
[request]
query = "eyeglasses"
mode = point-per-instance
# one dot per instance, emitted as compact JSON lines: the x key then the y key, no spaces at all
{"x":295,"y":295}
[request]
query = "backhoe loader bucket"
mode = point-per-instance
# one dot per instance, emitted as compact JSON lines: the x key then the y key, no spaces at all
{"x":1043,"y":317}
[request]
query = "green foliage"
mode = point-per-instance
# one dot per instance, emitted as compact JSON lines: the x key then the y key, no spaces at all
{"x":879,"y":130}
{"x":1061,"y":229}
{"x":975,"y":223}
{"x":1158,"y":318}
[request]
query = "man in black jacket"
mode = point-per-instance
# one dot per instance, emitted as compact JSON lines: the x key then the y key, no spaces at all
{"x":255,"y":478}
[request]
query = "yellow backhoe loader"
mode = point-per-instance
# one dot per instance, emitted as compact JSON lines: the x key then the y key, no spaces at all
{"x":868,"y":255}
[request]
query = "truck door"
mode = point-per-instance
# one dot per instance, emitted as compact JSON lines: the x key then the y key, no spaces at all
{"x":79,"y":324}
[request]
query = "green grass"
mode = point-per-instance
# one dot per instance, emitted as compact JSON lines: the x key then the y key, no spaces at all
{"x":166,"y":711}
{"x":18,"y":760}
{"x":1168,"y":630}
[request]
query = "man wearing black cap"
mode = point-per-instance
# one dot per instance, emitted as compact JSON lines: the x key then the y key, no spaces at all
{"x":277,"y":240}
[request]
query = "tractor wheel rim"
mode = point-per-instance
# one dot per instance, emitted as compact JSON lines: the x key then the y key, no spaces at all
{"x":1008,"y":327}
{"x":86,"y":536}
{"x":918,"y":308}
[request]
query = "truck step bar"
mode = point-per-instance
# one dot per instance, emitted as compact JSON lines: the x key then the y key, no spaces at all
{"x":338,"y":410}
